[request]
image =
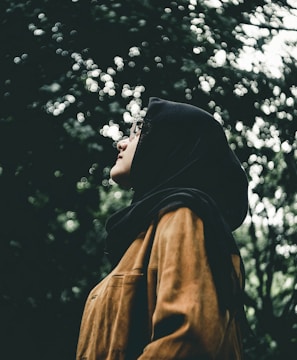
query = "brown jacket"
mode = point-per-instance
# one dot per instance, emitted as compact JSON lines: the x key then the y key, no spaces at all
{"x":160,"y":301}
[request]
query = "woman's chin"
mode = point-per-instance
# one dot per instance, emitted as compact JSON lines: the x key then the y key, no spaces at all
{"x":121,"y":179}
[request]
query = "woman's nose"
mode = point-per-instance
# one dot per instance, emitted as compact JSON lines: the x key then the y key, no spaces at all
{"x":122,"y":144}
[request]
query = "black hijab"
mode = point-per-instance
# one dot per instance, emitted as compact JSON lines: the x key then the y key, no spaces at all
{"x":183,"y":160}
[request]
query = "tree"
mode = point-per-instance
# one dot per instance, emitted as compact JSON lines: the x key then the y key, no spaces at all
{"x":73,"y":75}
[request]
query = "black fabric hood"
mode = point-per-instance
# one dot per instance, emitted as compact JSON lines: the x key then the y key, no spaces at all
{"x":183,"y":146}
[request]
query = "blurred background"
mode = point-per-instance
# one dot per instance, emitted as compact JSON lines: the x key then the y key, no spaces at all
{"x":73,"y":75}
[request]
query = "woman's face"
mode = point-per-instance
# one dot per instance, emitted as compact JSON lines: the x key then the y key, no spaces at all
{"x":120,"y":172}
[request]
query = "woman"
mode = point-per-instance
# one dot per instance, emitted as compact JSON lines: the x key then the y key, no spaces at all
{"x":175,"y":291}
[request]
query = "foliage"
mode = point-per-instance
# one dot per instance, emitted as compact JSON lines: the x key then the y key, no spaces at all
{"x":74,"y":73}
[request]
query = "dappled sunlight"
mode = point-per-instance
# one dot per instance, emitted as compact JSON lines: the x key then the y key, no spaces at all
{"x":112,"y":131}
{"x":286,"y":251}
{"x":68,"y":221}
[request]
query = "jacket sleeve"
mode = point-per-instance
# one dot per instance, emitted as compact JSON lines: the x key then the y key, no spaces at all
{"x":186,"y":321}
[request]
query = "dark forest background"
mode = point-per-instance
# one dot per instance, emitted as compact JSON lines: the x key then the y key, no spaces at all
{"x":71,"y":72}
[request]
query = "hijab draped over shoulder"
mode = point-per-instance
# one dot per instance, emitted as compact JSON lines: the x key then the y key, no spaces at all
{"x":183,"y":159}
